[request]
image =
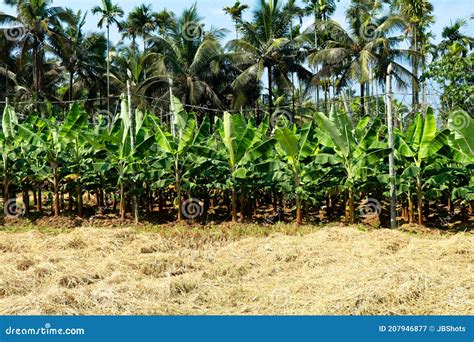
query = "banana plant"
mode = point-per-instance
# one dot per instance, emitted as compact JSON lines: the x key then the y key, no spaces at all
{"x":177,"y":146}
{"x":51,"y":136}
{"x":295,"y":149}
{"x":461,"y":141}
{"x":355,"y":149}
{"x":122,"y":156}
{"x":81,"y":142}
{"x":461,"y":138}
{"x":7,"y":145}
{"x":421,"y":142}
{"x":244,"y":144}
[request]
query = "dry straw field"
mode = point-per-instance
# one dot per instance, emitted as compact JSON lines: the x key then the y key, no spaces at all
{"x":235,"y":270}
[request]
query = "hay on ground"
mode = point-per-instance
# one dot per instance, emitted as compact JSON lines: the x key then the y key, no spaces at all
{"x":332,"y":271}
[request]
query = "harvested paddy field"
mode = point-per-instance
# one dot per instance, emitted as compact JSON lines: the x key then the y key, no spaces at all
{"x":235,"y":270}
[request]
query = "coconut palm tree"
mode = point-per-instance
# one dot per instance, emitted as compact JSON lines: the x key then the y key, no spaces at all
{"x":164,"y":20}
{"x":32,"y":27}
{"x":262,"y":45}
{"x":68,"y":44}
{"x":352,"y":53}
{"x":110,"y":14}
{"x":320,"y":9}
{"x":8,"y":67}
{"x":192,"y":58}
{"x":83,"y":57}
{"x":140,"y":23}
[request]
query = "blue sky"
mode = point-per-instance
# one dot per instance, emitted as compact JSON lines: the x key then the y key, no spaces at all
{"x":446,"y":11}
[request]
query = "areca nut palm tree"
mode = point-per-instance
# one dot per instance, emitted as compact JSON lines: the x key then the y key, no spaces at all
{"x":110,"y":14}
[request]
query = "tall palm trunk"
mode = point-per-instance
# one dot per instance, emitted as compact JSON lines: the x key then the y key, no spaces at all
{"x":71,"y":80}
{"x":108,"y":68}
{"x":415,"y":66}
{"x":270,"y":90}
{"x":362,"y":99}
{"x":38,"y":57}
{"x":423,"y":89}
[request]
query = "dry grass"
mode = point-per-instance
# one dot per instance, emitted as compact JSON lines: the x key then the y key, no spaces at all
{"x":333,"y":270}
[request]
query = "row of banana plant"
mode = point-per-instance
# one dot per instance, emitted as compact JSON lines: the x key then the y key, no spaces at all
{"x":233,"y":160}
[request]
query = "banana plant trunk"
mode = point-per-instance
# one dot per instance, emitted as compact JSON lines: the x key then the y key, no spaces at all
{"x":26,"y":198}
{"x":80,"y":210}
{"x":299,"y":212}
{"x":351,"y":206}
{"x":57,"y":204}
{"x":234,"y":205}
{"x":39,"y":201}
{"x":419,"y":193}
{"x":6,"y":182}
{"x":122,"y":202}
{"x":178,"y":191}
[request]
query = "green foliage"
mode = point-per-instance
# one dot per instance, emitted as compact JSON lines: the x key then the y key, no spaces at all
{"x":454,"y":74}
